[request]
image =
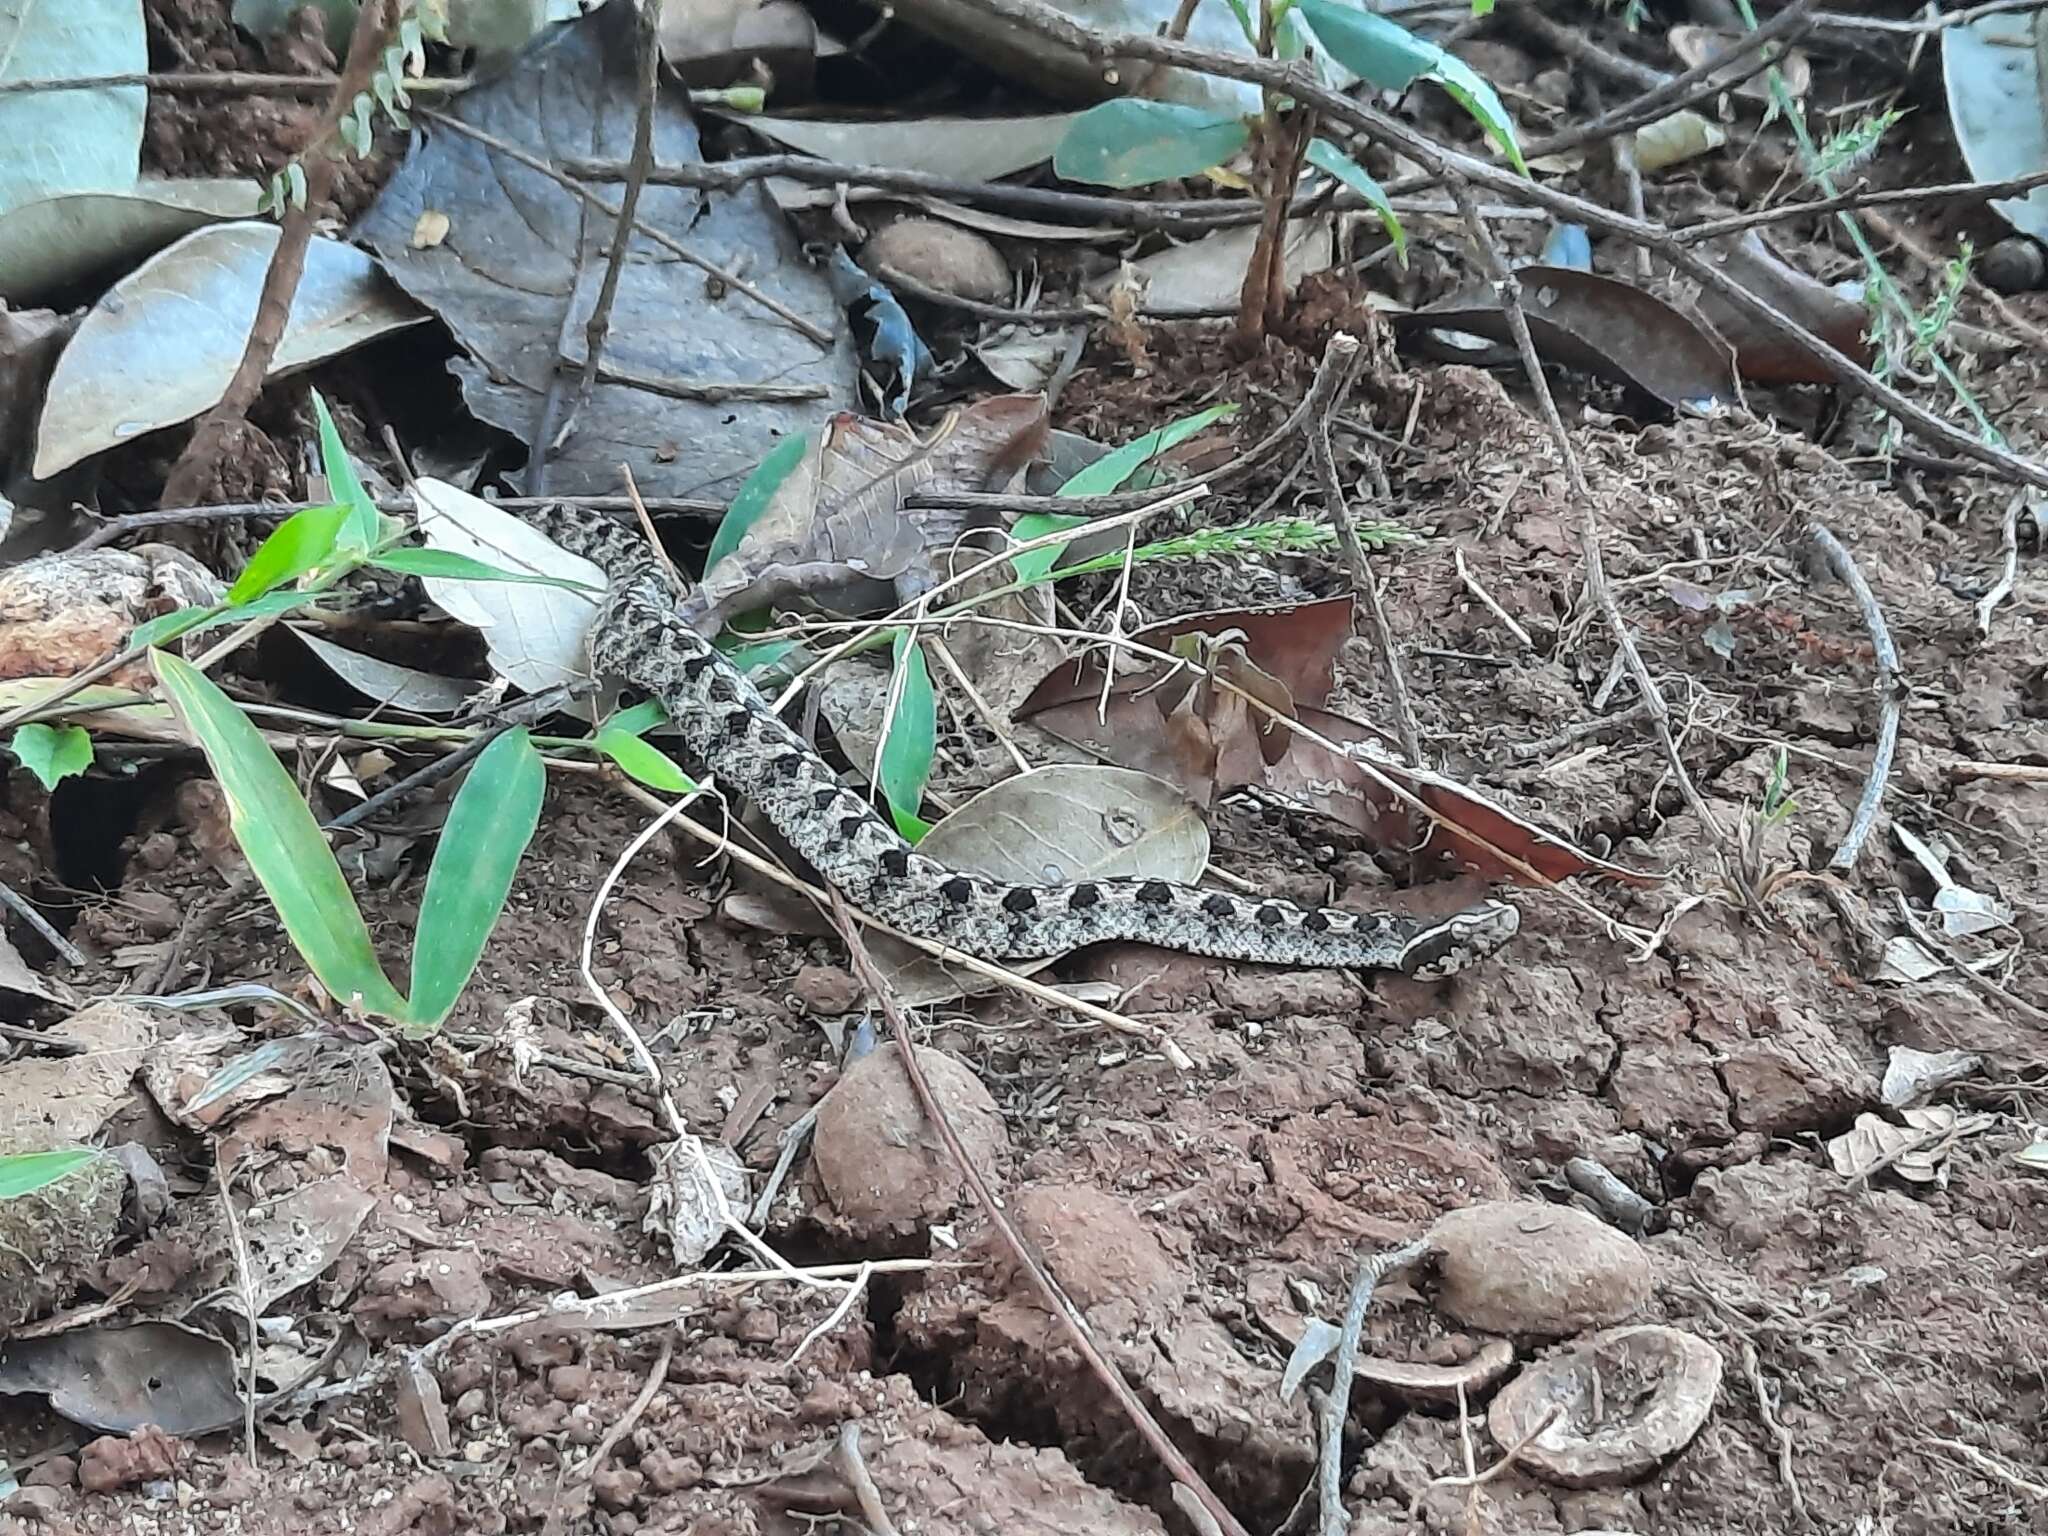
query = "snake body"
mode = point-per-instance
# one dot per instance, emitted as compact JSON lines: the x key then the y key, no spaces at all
{"x":641,"y":640}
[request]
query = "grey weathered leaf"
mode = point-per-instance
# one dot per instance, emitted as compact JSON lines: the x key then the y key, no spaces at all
{"x":70,"y":141}
{"x":160,"y":346}
{"x":1063,"y":823}
{"x":703,"y":380}
{"x":56,"y":242}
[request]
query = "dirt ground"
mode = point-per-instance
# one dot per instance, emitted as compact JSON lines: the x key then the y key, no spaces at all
{"x":1880,"y":1337}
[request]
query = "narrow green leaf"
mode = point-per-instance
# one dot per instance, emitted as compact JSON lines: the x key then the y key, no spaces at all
{"x":445,"y":562}
{"x":1381,"y":52}
{"x":168,"y":626}
{"x":300,"y":542}
{"x":1327,"y":157}
{"x":754,"y":496}
{"x":761,"y":660}
{"x":1393,"y":58}
{"x":643,"y":761}
{"x":913,"y":737}
{"x":196,"y":621}
{"x":358,"y":533}
{"x":52,"y":753}
{"x":23,"y":1173}
{"x":1471,"y":92}
{"x":1127,"y":142}
{"x":1109,"y":473}
{"x":1034,"y":565}
{"x":282,"y":842}
{"x":638,"y":720}
{"x":488,"y":828}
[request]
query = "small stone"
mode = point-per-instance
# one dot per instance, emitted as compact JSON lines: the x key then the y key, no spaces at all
{"x":616,"y":1486}
{"x":569,"y":1383}
{"x":826,"y":989}
{"x":470,"y":1406}
{"x":759,"y":1325}
{"x":881,"y":1163}
{"x":941,"y":256}
{"x":56,"y":1472}
{"x":1523,"y":1267}
{"x":1624,"y":1401}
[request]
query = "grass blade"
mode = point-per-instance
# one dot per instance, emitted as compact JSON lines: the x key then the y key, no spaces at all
{"x":295,"y":546}
{"x":282,"y":842}
{"x":906,"y":763}
{"x":489,"y":825}
{"x":359,"y":527}
{"x":23,"y":1173}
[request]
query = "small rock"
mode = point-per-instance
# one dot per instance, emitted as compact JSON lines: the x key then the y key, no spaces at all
{"x":57,"y":1472}
{"x":669,"y":1473}
{"x":2013,"y":265}
{"x":125,"y":1461}
{"x":941,"y":256}
{"x":881,"y":1163}
{"x":616,"y":1486}
{"x":759,"y":1325}
{"x":1625,"y":1400}
{"x":1522,"y":1267}
{"x":569,"y":1383}
{"x":827,"y":989}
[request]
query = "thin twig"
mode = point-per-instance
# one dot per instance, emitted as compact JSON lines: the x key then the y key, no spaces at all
{"x":199,"y":464}
{"x":660,"y":237}
{"x":50,"y":936}
{"x":1486,"y":599}
{"x":657,"y":1378}
{"x":245,"y":1275}
{"x":225,"y":83}
{"x":855,"y":1471}
{"x":398,"y":506}
{"x":1867,"y":197}
{"x":1753,"y":1369}
{"x":884,"y":996}
{"x":2009,"y":544}
{"x":1332,"y":383}
{"x":1371,"y":1271}
{"x":1481,"y":1479}
{"x":1843,"y":564}
{"x":1928,"y":940}
{"x":597,"y":329}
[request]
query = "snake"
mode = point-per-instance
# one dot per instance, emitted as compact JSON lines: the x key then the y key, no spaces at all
{"x":641,"y":640}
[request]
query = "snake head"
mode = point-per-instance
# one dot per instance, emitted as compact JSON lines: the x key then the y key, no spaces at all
{"x":1448,"y":947}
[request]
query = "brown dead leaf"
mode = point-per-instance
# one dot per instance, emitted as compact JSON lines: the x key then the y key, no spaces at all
{"x":1597,"y":324}
{"x":837,"y":529}
{"x":1762,"y":355}
{"x":1208,"y":740}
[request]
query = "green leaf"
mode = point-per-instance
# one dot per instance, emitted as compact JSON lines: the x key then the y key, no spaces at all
{"x":359,"y":531}
{"x":1327,"y":157}
{"x":643,"y":761}
{"x":760,"y":659}
{"x":1131,"y":143}
{"x":1108,"y":473}
{"x":913,"y":737}
{"x":1481,"y":9}
{"x":52,"y":753}
{"x":488,"y":828}
{"x":1393,"y":58}
{"x":23,"y":1173}
{"x":445,"y":562}
{"x":282,"y":842}
{"x":638,"y":720}
{"x":754,"y":496}
{"x":299,"y":543}
{"x":194,"y":621}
